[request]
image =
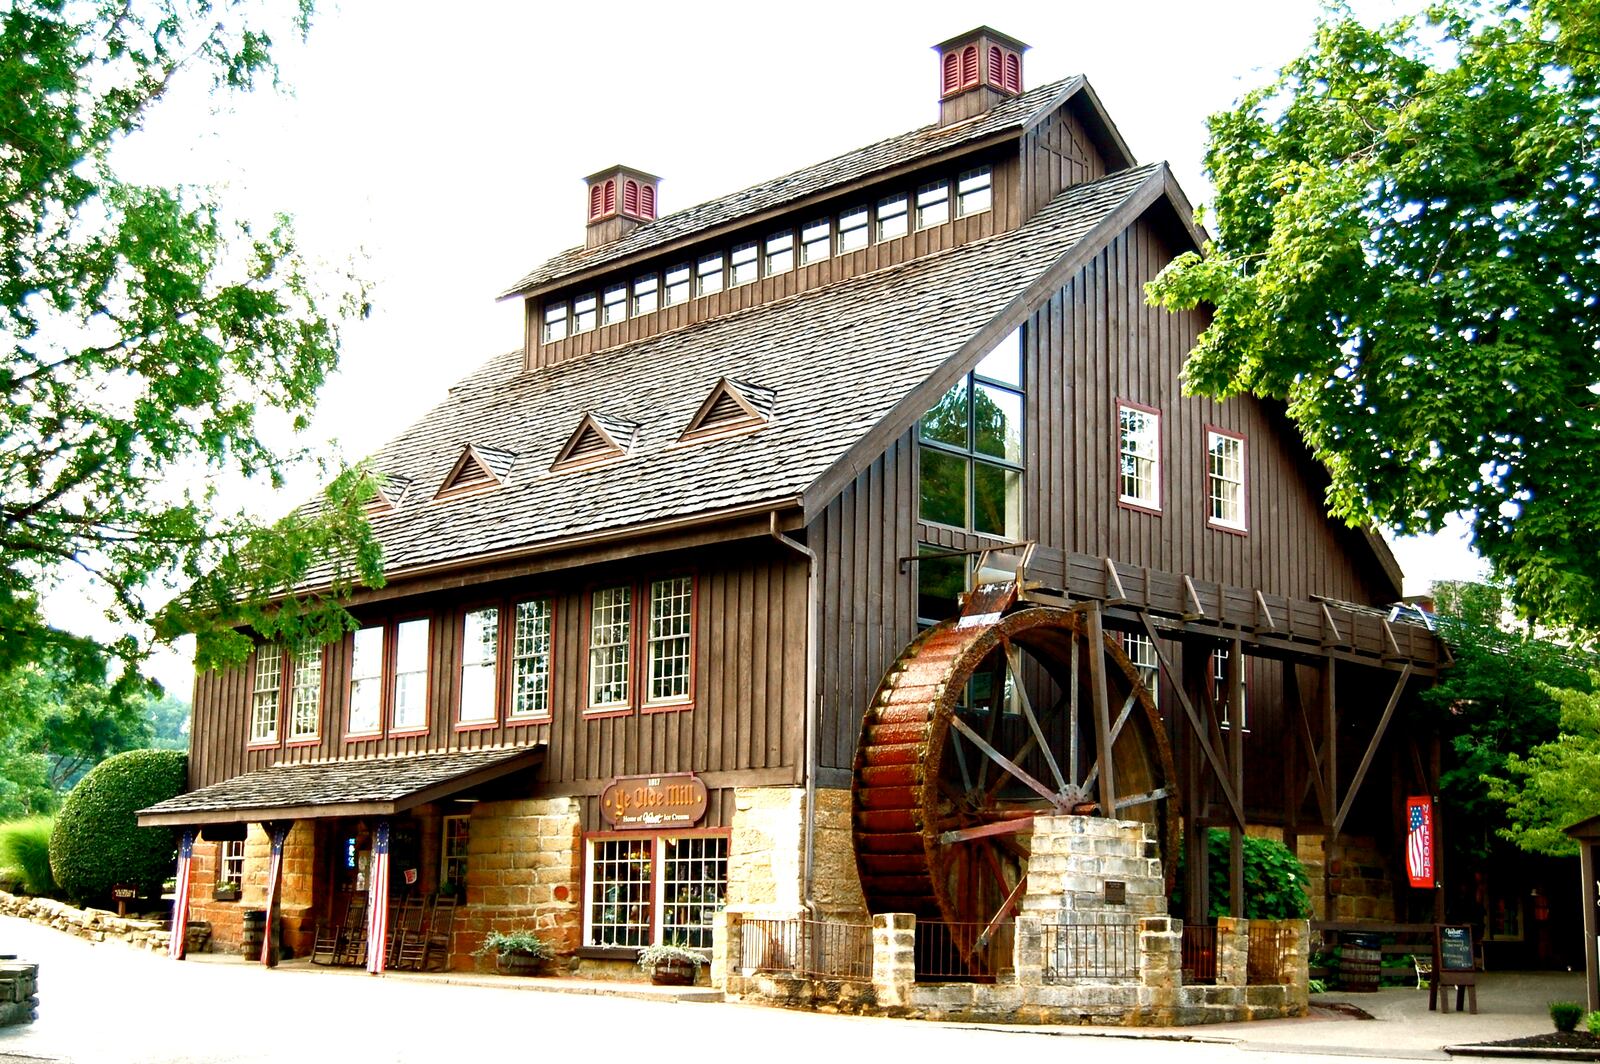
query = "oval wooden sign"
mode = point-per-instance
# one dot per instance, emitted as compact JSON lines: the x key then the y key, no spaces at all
{"x":675,"y":800}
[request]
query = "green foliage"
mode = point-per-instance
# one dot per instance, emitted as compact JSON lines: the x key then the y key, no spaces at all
{"x":1593,"y":1023}
{"x":1316,"y":986}
{"x":1495,"y":701}
{"x":1565,"y":1015}
{"x":1558,"y":783}
{"x":524,"y":942}
{"x":1275,"y":881}
{"x":151,"y":347}
{"x":1405,"y":238}
{"x":25,"y":850}
{"x":97,"y":842}
{"x":650,"y":956}
{"x":169,"y":722}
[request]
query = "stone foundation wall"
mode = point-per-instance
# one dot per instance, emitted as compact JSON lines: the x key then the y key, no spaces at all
{"x":1358,"y":875}
{"x":524,"y":872}
{"x":19,"y":992}
{"x":96,"y":925}
{"x":836,"y":882}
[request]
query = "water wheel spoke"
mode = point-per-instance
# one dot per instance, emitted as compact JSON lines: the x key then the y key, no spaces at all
{"x":1006,"y":763}
{"x":1013,"y":662}
{"x":1127,"y":711}
{"x":1072,"y":717}
{"x":997,"y":686}
{"x":1130,"y":800}
{"x":961,"y":763}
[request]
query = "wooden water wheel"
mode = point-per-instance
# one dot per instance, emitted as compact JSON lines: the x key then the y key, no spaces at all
{"x":983,"y":722}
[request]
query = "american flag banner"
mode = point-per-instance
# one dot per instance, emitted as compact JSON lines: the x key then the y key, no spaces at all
{"x":180,"y":898}
{"x":1419,"y":841}
{"x":279,"y":832}
{"x":378,"y":901}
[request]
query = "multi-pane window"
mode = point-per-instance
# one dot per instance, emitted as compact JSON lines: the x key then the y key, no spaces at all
{"x":266,"y":694}
{"x":555,"y":321}
{"x":480,"y":654}
{"x":974,"y":192}
{"x":583,"y":313}
{"x":971,"y":447}
{"x":655,"y":889}
{"x":305,"y":692}
{"x":645,"y":294}
{"x":891,"y":217}
{"x":816,"y":241}
{"x":1138,"y":456}
{"x":366,"y":682}
{"x":1225,"y":478}
{"x":610,"y":637}
{"x":933,"y":204}
{"x":1220,"y":691}
{"x":411,"y":675}
{"x":668,"y":642}
{"x":453,"y":854}
{"x":230,"y":863}
{"x":780,"y":253}
{"x":708,"y":275}
{"x":742,"y":266}
{"x":852,"y":230}
{"x":677,"y":287}
{"x":530,"y":660}
{"x":614,"y":304}
{"x":1142,"y":653}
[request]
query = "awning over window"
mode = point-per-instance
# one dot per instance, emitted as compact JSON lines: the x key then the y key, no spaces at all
{"x":377,"y":786}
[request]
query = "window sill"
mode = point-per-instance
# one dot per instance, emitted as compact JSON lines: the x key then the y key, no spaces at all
{"x":1138,"y":507}
{"x":363,"y":737}
{"x":314,"y":740}
{"x":262,"y":744}
{"x":1232,"y":530}
{"x":667,"y":707}
{"x":610,"y":953}
{"x":523,"y":722}
{"x":475,"y":725}
{"x":407,"y":733}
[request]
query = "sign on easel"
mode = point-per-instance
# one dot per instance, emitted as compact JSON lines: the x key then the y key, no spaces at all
{"x":1453,"y":965}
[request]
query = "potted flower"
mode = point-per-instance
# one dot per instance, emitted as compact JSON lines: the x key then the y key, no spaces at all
{"x":670,"y":965}
{"x":517,"y":952}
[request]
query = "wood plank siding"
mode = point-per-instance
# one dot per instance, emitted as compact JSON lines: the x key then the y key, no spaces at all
{"x":749,"y":687}
{"x":1094,"y":342}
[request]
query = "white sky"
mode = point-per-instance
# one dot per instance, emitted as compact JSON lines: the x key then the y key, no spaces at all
{"x":445,"y":145}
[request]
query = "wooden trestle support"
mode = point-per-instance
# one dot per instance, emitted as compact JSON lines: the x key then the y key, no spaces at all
{"x":984,"y":721}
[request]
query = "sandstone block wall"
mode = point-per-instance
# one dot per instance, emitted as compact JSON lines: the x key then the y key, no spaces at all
{"x":524,"y":872}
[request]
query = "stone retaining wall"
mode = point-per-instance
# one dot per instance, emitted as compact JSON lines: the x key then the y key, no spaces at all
{"x":96,"y":925}
{"x":19,"y":993}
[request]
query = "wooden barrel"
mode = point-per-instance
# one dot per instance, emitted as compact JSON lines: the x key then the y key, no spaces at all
{"x":255,"y":925}
{"x":1360,"y":956}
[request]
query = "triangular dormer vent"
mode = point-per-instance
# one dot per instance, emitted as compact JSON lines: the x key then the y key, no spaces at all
{"x":596,"y":439}
{"x":732,"y":407}
{"x":478,"y":469}
{"x":391,"y":489}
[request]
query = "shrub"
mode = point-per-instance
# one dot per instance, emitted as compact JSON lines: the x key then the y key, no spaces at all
{"x":1594,"y":1023}
{"x":1275,"y":881}
{"x":1565,"y":1014}
{"x":97,"y":841}
{"x":25,"y":850}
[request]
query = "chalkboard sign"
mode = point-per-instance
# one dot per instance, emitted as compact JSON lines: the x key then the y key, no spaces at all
{"x":1455,"y":948}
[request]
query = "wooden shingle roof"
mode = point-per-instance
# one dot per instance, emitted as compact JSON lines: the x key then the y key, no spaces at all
{"x":833,"y":363}
{"x":1008,"y":116}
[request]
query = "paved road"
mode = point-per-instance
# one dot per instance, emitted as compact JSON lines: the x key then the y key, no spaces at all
{"x":109,"y":1004}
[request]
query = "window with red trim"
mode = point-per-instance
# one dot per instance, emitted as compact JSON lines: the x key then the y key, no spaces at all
{"x":644,"y":889}
{"x":389,"y":670}
{"x":997,"y":71}
{"x":596,"y":201}
{"x":1013,"y":72}
{"x":647,"y":201}
{"x":630,"y":196}
{"x":611,"y":195}
{"x":286,"y":695}
{"x":969,"y":66}
{"x":952,"y":73}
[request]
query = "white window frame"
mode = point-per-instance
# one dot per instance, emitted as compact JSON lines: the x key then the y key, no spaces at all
{"x":779,"y":247}
{"x":892,"y":219}
{"x":402,"y":671}
{"x":230,"y":863}
{"x":585,"y":314}
{"x":974,"y":192}
{"x":1143,"y":448}
{"x":1223,"y":481}
{"x":614,"y":304}
{"x":854,"y":224}
{"x":266,"y":695}
{"x":744,"y":264}
{"x":677,"y":285}
{"x":1141,"y":651}
{"x":478,"y":659}
{"x":361,"y":682}
{"x":710,"y":274}
{"x":646,"y":289}
{"x":1219,"y":689}
{"x":556,"y":317}
{"x":662,"y":644}
{"x":816,"y":241}
{"x":656,"y":904}
{"x":305,"y":693}
{"x":524,"y":647}
{"x":447,"y":858}
{"x":615,"y":655}
{"x":929,"y":195}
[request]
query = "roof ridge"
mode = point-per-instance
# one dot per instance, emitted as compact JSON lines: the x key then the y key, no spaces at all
{"x":999,"y":116}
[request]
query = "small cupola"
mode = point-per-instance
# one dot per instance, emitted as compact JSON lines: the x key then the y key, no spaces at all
{"x":977,"y":70}
{"x":620,"y":199}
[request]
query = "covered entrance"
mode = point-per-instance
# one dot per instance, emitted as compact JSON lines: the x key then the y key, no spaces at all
{"x":369,"y":855}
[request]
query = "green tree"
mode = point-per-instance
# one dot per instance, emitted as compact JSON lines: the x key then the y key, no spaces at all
{"x":1407,"y":250}
{"x":1557,"y":783}
{"x":169,"y":722}
{"x":97,"y":842}
{"x":151,"y":344}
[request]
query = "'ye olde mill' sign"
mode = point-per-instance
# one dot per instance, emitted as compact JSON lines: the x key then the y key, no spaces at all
{"x":677,"y":800}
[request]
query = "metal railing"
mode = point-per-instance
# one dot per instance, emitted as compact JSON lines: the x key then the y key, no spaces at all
{"x":949,"y":952}
{"x":1199,"y":953}
{"x":1090,"y":951}
{"x":1268,"y":944}
{"x":813,"y":949}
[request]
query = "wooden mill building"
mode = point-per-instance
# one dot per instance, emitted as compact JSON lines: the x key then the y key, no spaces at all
{"x":646,"y":571}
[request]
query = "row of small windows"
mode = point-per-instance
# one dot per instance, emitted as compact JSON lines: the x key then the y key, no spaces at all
{"x":960,"y":69}
{"x":1139,"y":467}
{"x":504,"y":667}
{"x":850,"y":230}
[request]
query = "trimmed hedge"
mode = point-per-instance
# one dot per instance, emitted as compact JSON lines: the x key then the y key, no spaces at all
{"x":97,"y":841}
{"x":25,"y":852}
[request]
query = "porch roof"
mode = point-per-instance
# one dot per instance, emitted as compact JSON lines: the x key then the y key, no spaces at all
{"x":375,"y":786}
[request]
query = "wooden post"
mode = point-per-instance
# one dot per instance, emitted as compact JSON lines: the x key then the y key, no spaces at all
{"x":1236,"y":770}
{"x":1591,"y":962}
{"x":1197,"y":855}
{"x":1102,"y":710}
{"x":1290,"y":751}
{"x":1438,"y":830}
{"x":1330,"y":771}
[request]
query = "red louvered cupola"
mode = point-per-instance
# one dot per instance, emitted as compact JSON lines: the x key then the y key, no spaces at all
{"x":620,"y":200}
{"x":977,"y":70}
